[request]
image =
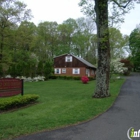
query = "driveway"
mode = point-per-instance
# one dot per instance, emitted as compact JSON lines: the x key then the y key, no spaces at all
{"x":112,"y":125}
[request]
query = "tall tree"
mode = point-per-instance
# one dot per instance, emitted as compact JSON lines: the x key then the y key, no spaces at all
{"x":102,"y":84}
{"x":82,"y":38}
{"x":66,"y":31}
{"x":118,"y":42}
{"x":11,"y":13}
{"x":46,"y":41}
{"x":25,"y":35}
{"x":134,"y":45}
{"x":103,"y":44}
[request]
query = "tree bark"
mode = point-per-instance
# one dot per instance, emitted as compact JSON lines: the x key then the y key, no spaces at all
{"x":103,"y":45}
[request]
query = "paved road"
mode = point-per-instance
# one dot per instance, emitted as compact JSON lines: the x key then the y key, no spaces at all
{"x":112,"y":125}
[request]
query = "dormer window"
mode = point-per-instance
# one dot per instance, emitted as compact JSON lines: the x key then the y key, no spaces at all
{"x":68,"y":59}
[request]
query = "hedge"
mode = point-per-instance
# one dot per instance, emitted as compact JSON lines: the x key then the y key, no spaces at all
{"x":16,"y":101}
{"x":69,"y":77}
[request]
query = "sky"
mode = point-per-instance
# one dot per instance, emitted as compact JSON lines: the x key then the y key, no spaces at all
{"x":61,"y":10}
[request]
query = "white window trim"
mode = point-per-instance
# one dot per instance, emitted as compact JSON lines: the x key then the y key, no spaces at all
{"x":74,"y":71}
{"x":56,"y":70}
{"x":87,"y":71}
{"x":68,"y":59}
{"x":63,"y":70}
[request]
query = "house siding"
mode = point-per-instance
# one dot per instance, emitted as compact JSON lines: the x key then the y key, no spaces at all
{"x":60,"y":63}
{"x":69,"y":72}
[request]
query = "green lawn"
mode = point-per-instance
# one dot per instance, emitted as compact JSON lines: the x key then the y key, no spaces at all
{"x":61,"y":103}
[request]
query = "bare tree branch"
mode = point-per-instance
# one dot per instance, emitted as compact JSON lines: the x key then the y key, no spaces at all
{"x":123,"y":6}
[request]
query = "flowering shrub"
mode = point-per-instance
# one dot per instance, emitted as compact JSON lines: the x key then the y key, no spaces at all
{"x":28,"y":79}
{"x":8,"y":76}
{"x":84,"y":79}
{"x":117,"y":67}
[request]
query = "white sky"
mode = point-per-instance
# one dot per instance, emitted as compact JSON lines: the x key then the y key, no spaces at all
{"x":60,"y":10}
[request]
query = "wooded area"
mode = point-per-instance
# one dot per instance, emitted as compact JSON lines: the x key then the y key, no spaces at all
{"x":26,"y":48}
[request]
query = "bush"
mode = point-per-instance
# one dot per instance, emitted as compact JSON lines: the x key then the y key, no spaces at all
{"x":16,"y":101}
{"x":1,"y":71}
{"x":84,"y":79}
{"x":53,"y":77}
{"x":47,"y":70}
{"x":91,"y":78}
{"x":69,"y":77}
{"x":62,"y":77}
{"x":76,"y":78}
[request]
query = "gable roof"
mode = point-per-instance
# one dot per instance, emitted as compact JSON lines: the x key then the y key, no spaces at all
{"x":80,"y":59}
{"x":84,"y":61}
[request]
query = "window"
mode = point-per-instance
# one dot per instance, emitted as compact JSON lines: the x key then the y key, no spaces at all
{"x":76,"y":71}
{"x":87,"y":71}
{"x":57,"y":71}
{"x":63,"y":70}
{"x":92,"y":72}
{"x":68,"y":59}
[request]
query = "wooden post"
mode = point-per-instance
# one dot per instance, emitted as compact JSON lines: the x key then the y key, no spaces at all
{"x":22,"y":87}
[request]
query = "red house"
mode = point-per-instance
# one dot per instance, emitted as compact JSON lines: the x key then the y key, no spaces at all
{"x":70,"y":65}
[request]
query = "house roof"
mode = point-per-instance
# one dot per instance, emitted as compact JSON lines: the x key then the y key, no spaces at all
{"x":80,"y":59}
{"x":84,"y":61}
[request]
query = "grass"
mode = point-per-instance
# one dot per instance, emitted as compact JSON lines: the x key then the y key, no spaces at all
{"x":61,"y":103}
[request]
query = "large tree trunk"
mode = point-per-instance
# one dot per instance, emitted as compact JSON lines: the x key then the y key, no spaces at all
{"x":103,"y":69}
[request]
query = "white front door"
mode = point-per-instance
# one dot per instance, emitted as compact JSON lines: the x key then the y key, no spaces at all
{"x":88,"y":72}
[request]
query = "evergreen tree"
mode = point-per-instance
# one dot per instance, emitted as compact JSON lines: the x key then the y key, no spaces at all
{"x":47,"y":70}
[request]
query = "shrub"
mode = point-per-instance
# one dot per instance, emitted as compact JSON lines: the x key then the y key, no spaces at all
{"x":53,"y":77}
{"x":90,"y":78}
{"x":47,"y":70}
{"x":1,"y":71}
{"x":117,"y":67}
{"x":64,"y":77}
{"x":77,"y":78}
{"x":16,"y":101}
{"x":69,"y":77}
{"x":84,"y":79}
{"x":60,"y":77}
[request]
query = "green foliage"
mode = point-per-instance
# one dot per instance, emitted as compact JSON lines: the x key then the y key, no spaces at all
{"x":40,"y":68}
{"x":91,"y":78}
{"x":117,"y":43}
{"x":68,"y":77}
{"x":117,"y":12}
{"x":77,"y":78}
{"x":47,"y":70}
{"x":46,"y":40}
{"x":19,"y":68}
{"x":28,"y":46}
{"x":12,"y":70}
{"x":61,"y":77}
{"x":53,"y":77}
{"x":1,"y":71}
{"x":12,"y":12}
{"x":134,"y":45}
{"x":17,"y":101}
{"x":25,"y":35}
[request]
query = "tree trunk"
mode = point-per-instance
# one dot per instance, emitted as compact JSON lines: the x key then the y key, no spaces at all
{"x":103,"y":69}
